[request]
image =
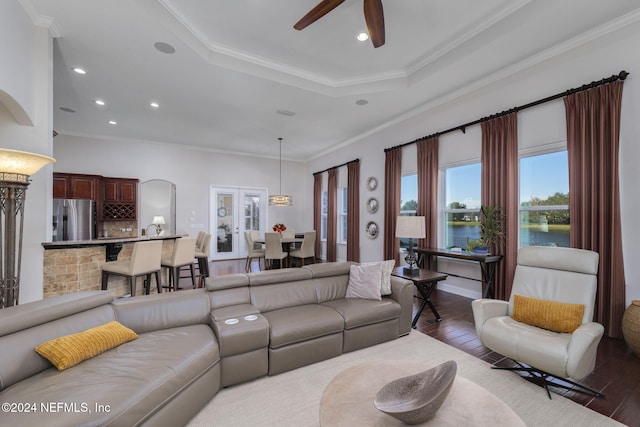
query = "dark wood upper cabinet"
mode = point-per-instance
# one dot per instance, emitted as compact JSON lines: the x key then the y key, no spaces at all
{"x":119,"y":199}
{"x":76,"y":186}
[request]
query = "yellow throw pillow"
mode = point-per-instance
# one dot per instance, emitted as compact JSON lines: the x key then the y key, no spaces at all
{"x":551,"y":315}
{"x":69,"y":350}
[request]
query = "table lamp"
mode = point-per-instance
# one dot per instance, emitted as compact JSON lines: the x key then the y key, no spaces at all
{"x":411,"y":227}
{"x":158,"y":220}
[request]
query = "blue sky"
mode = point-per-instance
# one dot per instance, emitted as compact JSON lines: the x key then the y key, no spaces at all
{"x":541,"y":176}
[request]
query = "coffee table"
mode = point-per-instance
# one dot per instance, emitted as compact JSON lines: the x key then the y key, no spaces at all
{"x":348,"y":399}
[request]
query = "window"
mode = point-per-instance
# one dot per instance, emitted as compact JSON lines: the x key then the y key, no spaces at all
{"x":323,"y":218}
{"x":544,"y":200}
{"x":342,"y":215}
{"x":408,"y":200}
{"x":462,"y":205}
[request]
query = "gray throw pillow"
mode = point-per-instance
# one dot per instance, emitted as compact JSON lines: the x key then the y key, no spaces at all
{"x":364,"y":282}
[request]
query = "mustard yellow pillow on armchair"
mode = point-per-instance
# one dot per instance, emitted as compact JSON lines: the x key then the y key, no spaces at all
{"x":551,"y":315}
{"x":69,"y":350}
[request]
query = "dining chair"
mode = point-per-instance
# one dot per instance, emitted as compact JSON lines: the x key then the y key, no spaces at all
{"x":183,"y":254}
{"x":273,"y":250}
{"x":145,"y":261}
{"x":289,"y":233}
{"x":252,"y":250}
{"x":307,"y":250}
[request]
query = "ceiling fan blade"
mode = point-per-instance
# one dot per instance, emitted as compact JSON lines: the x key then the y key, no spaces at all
{"x":321,"y":9}
{"x":374,"y":17}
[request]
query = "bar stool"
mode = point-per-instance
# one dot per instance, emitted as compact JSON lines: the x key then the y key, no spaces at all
{"x":183,"y":254}
{"x":202,"y":257}
{"x":145,"y":261}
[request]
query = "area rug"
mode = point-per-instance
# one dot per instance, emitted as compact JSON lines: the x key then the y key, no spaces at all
{"x":293,"y":398}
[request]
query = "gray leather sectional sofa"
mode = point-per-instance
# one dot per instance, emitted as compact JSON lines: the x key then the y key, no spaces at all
{"x":189,"y":345}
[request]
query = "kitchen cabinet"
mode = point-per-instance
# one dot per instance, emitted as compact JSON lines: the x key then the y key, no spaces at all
{"x":119,"y":199}
{"x":76,"y":186}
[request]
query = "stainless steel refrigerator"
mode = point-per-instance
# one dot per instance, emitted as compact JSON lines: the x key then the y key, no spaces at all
{"x":74,"y":219}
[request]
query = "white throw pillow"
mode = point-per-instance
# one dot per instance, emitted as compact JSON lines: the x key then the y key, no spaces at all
{"x":364,"y":282}
{"x":387,"y":268}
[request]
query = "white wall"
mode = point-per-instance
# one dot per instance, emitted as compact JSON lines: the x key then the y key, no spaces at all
{"x":193,"y":171}
{"x":25,"y":78}
{"x":539,"y":126}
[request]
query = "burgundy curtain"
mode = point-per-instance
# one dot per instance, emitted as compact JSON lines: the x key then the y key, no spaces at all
{"x":499,"y":186}
{"x":332,"y":212}
{"x":428,"y":170}
{"x":392,"y":180}
{"x":317,"y":211}
{"x":593,"y":130}
{"x":353,"y":211}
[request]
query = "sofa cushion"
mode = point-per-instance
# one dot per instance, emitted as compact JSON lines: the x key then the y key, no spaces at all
{"x":69,"y":350}
{"x":128,"y":382}
{"x":361,"y":312}
{"x":364,"y":281}
{"x":301,"y":323}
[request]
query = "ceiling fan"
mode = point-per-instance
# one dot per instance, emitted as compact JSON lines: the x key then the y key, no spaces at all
{"x":373,"y":15}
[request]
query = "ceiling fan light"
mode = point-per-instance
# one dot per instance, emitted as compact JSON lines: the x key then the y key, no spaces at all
{"x":363,"y":37}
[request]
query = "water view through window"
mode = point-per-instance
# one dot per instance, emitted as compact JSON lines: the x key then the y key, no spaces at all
{"x":543,"y":208}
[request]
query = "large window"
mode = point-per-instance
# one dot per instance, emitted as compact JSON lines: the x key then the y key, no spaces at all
{"x":462,"y":205}
{"x":408,"y":200}
{"x":342,"y":214}
{"x":544,"y":200}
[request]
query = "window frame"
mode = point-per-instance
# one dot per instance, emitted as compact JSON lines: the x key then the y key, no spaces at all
{"x":442,"y":200}
{"x":343,"y":193}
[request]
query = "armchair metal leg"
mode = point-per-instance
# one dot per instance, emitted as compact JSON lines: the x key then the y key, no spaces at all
{"x":542,"y":378}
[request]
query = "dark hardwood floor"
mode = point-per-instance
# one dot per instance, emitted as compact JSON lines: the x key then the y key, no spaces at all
{"x":617,"y":372}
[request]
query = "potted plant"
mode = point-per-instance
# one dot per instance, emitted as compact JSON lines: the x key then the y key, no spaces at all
{"x":477,"y":246}
{"x":491,"y":227}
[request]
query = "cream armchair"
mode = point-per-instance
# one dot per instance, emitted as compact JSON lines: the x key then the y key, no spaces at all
{"x":551,"y":274}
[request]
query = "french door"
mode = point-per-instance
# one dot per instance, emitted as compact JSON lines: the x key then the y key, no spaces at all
{"x":232,"y":212}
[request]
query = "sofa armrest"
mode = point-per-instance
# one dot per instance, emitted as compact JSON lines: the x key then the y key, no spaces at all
{"x":402,"y":293}
{"x":163,"y":311}
{"x":582,"y":350}
{"x":485,"y":309}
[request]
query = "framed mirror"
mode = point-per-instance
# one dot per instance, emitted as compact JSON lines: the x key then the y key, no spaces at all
{"x":158,"y":199}
{"x":372,"y":183}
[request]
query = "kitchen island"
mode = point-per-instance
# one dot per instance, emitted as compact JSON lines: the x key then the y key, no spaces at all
{"x":73,"y":266}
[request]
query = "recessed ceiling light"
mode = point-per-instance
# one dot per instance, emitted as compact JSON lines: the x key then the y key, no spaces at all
{"x":67,"y":110}
{"x":79,"y":70}
{"x":113,"y":122}
{"x":362,"y":102}
{"x":154,"y":105}
{"x":363,"y":37}
{"x":164,"y":47}
{"x":99,"y":102}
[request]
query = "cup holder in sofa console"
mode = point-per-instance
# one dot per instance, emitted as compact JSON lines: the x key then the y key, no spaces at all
{"x":243,"y":348}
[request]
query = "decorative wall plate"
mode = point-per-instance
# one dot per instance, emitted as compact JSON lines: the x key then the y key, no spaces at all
{"x":372,"y":183}
{"x":372,"y":230}
{"x":372,"y":205}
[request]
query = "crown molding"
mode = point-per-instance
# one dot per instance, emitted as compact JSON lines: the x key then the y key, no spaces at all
{"x":41,"y":20}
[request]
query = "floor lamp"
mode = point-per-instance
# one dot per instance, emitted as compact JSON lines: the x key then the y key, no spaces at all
{"x":15,"y":169}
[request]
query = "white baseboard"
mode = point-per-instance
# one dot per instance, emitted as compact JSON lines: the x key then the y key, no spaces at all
{"x":465,"y":292}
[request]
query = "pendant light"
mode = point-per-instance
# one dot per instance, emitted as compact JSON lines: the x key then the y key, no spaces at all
{"x":280,"y":199}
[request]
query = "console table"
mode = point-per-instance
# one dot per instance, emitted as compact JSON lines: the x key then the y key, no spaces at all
{"x":487,"y":263}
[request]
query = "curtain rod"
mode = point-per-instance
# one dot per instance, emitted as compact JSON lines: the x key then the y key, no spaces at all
{"x":620,"y":76}
{"x":333,"y":167}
